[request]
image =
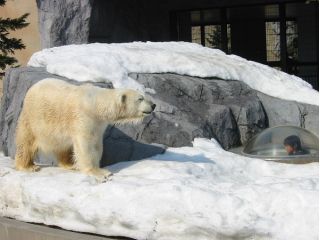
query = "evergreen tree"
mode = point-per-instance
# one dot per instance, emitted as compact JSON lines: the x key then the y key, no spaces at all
{"x":215,"y":39}
{"x":9,"y":45}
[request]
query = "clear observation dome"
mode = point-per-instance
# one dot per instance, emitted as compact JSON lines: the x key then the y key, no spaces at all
{"x":287,"y":144}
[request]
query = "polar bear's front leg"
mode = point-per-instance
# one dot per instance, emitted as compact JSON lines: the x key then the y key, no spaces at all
{"x":87,"y":154}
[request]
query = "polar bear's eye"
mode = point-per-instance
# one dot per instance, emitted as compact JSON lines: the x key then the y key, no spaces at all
{"x":140,"y":99}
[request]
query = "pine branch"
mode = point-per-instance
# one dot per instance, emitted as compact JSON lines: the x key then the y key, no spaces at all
{"x":6,"y":60}
{"x":8,"y":45}
{"x":13,"y":24}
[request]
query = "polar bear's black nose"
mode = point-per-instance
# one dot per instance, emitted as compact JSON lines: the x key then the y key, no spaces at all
{"x":153,"y":106}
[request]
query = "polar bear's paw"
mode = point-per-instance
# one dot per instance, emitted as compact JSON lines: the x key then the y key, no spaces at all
{"x":67,"y":166}
{"x":102,"y":175}
{"x":31,"y":168}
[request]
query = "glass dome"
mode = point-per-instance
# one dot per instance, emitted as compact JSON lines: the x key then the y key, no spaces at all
{"x":286,"y":144}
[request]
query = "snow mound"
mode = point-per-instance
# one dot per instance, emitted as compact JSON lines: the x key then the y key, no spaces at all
{"x":113,"y":62}
{"x":199,"y":192}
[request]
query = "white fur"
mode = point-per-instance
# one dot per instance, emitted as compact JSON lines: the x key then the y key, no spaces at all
{"x":69,"y":121}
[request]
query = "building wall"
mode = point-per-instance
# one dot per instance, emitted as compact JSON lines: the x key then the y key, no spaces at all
{"x":129,"y":20}
{"x":308,"y":44}
{"x":30,"y":34}
{"x":248,"y":33}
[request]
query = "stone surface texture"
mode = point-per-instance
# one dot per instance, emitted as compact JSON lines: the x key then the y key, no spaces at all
{"x":63,"y":22}
{"x":187,"y":107}
{"x":282,"y":112}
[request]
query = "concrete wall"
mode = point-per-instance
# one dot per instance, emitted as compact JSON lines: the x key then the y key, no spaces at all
{"x":11,"y":229}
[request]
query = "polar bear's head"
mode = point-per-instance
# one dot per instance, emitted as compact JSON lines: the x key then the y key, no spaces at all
{"x":133,"y":105}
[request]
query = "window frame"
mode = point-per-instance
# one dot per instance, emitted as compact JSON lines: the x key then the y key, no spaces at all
{"x":283,"y":63}
{"x":223,"y":23}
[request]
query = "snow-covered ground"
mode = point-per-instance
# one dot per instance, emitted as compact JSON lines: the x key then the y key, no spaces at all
{"x":113,"y":62}
{"x":199,"y":192}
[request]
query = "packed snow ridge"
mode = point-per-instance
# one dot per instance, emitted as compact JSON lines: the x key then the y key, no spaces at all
{"x":113,"y":62}
{"x":199,"y":192}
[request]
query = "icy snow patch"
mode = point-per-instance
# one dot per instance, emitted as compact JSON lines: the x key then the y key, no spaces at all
{"x":113,"y":62}
{"x":199,"y":192}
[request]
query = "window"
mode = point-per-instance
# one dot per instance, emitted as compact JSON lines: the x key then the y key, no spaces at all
{"x":196,"y":34}
{"x":292,"y":40}
{"x":229,"y":37}
{"x":273,"y":41}
{"x":273,"y":47}
{"x":213,"y":36}
{"x":210,"y":29}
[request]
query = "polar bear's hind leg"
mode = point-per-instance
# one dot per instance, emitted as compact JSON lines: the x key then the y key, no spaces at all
{"x":26,"y":148}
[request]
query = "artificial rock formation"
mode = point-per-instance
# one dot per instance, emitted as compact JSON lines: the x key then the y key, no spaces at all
{"x":63,"y":22}
{"x":187,"y":107}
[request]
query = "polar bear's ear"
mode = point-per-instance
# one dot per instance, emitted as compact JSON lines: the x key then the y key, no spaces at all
{"x":123,"y":98}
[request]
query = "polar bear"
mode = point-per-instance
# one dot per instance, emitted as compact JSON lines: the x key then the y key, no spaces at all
{"x":69,"y":121}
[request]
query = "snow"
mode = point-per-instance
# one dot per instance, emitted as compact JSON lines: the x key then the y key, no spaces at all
{"x":113,"y":62}
{"x":199,"y":192}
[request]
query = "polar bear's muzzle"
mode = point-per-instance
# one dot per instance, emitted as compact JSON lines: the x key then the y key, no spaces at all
{"x":150,"y":109}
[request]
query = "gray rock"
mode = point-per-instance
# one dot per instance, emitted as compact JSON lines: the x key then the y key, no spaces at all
{"x":250,"y":117}
{"x":192,"y":107}
{"x":63,"y":22}
{"x":282,"y":112}
{"x":309,"y":117}
{"x":187,"y":107}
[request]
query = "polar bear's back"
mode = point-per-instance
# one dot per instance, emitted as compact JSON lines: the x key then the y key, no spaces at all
{"x":51,"y":87}
{"x":51,"y":95}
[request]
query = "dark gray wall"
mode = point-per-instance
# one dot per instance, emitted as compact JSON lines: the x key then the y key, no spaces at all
{"x":308,"y":43}
{"x":129,"y":20}
{"x":248,"y":38}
